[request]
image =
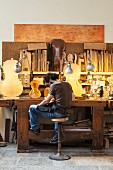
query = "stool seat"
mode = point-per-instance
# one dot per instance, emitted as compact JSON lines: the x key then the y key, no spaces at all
{"x":59,"y":156}
{"x":60,"y":119}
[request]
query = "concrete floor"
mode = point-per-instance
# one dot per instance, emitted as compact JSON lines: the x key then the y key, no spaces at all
{"x":39,"y":159}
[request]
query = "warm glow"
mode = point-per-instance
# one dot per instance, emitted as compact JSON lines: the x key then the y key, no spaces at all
{"x":76,"y":86}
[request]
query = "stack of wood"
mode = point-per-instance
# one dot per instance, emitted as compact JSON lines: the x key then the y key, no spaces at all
{"x":99,"y":56}
{"x":36,"y":57}
{"x":109,"y":129}
{"x":108,"y":134}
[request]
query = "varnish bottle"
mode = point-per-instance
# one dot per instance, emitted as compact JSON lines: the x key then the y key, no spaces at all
{"x":101,"y":91}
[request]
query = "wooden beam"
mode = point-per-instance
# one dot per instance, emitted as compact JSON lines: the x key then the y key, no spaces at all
{"x":69,"y":33}
{"x":95,"y":46}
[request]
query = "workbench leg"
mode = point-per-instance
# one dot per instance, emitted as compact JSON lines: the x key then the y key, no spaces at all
{"x":22,"y":129}
{"x":97,"y":142}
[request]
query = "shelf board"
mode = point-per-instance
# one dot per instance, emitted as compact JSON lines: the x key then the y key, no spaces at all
{"x":40,"y":72}
{"x":97,"y":73}
{"x":86,"y":84}
{"x":57,"y":72}
{"x":45,"y":72}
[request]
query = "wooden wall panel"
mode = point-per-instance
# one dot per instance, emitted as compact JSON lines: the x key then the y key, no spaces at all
{"x":69,"y":33}
{"x":12,"y":50}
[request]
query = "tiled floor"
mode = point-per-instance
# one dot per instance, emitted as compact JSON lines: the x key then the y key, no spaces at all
{"x":39,"y":159}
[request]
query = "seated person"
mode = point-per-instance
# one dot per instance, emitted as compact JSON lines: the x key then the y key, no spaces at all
{"x":62,"y":93}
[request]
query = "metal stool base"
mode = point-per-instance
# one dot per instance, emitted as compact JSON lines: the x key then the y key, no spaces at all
{"x":3,"y":144}
{"x":59,"y":157}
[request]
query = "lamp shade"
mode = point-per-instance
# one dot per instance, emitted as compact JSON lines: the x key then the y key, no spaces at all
{"x":68,"y":69}
{"x":17,"y":68}
{"x":90,"y":67}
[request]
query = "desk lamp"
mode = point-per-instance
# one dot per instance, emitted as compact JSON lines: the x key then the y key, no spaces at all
{"x":68,"y":70}
{"x":18,"y":66}
{"x":90,"y":66}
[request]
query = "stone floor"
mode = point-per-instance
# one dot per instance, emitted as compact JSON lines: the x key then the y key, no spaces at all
{"x":38,"y":159}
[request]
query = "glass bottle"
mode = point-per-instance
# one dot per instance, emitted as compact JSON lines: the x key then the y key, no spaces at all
{"x":101,"y":91}
{"x":95,"y":93}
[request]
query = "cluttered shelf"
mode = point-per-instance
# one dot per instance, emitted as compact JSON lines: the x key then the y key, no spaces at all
{"x":35,"y":60}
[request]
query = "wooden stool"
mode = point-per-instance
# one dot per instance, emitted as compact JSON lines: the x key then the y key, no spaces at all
{"x":59,"y":156}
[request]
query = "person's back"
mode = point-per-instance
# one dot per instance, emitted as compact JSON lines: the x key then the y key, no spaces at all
{"x":62,"y":92}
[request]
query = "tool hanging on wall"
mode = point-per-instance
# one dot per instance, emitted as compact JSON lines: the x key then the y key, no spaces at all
{"x":7,"y":129}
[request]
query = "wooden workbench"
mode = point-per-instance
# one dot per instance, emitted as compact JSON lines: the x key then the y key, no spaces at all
{"x":24,"y":135}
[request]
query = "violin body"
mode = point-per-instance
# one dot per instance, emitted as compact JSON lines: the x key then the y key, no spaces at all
{"x":35,"y":92}
{"x":11,"y":86}
{"x":46,"y":91}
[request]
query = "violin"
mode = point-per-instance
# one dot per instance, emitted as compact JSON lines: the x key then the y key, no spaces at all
{"x":35,"y":92}
{"x":46,"y":91}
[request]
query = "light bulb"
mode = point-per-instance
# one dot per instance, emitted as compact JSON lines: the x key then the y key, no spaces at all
{"x":90,"y":67}
{"x":68,"y":69}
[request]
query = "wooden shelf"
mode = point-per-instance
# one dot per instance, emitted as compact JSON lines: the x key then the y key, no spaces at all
{"x":40,"y":72}
{"x":43,"y":72}
{"x":97,"y":73}
{"x":57,"y":72}
{"x":86,"y":84}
